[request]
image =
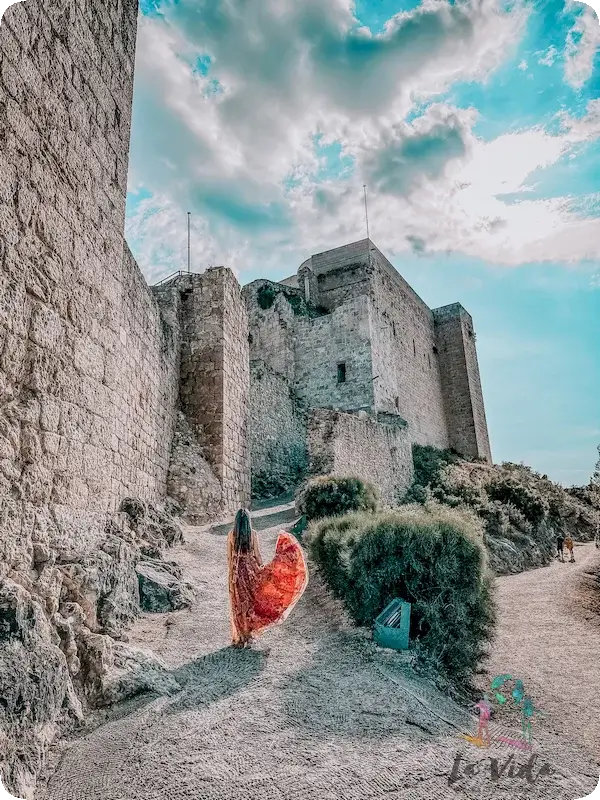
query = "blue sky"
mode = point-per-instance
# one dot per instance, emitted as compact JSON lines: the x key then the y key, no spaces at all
{"x":475,"y":125}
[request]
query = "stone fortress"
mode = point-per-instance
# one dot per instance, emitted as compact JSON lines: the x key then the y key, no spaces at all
{"x":349,"y":368}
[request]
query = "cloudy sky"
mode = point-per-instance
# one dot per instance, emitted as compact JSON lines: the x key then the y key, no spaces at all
{"x":476,"y":127}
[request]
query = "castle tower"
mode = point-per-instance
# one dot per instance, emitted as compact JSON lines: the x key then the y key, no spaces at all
{"x":461,"y":382}
{"x":215,"y":377}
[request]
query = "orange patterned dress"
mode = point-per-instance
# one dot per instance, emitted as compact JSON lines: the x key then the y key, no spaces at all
{"x":264,"y":594}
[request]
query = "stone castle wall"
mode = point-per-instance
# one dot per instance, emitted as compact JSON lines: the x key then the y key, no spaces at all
{"x":357,"y":445}
{"x":462,"y":384}
{"x":338,"y":275}
{"x":271,"y":330}
{"x":405,"y":357}
{"x":277,"y":433}
{"x":88,"y":379}
{"x":214,"y":382}
{"x":324,"y":343}
{"x":236,"y":396}
{"x":397,"y":356}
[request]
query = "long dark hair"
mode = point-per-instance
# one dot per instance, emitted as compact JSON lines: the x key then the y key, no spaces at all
{"x":242,"y":531}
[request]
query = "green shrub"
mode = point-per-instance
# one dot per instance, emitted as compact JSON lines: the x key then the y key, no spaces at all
{"x":298,"y":305}
{"x":515,"y":503}
{"x":432,"y":557}
{"x":266,"y":297}
{"x":330,"y":496}
{"x":429,"y":461}
{"x":526,"y":499}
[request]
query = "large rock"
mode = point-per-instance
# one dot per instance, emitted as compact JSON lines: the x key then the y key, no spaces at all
{"x":67,"y":595}
{"x":35,"y":686}
{"x":133,"y":672}
{"x":154,"y":528}
{"x":161,"y":587}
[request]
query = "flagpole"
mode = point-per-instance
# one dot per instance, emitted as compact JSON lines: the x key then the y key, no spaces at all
{"x":189,"y":214}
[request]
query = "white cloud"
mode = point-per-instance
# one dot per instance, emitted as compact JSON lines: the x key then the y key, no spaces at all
{"x":433,"y":185}
{"x":585,"y":128}
{"x":582,"y":43}
{"x":548,"y":57}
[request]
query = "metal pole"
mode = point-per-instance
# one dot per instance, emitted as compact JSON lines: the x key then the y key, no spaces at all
{"x":189,"y":213}
{"x":366,"y":209}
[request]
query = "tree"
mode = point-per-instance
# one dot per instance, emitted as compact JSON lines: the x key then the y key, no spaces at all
{"x":595,"y":481}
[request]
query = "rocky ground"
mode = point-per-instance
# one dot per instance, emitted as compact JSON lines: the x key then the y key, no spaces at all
{"x":316,"y":712}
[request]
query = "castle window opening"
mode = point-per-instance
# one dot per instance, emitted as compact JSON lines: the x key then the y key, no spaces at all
{"x":341,"y":373}
{"x":397,"y":401}
{"x":414,"y":348}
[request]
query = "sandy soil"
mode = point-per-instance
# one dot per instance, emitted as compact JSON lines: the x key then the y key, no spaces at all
{"x":316,"y":712}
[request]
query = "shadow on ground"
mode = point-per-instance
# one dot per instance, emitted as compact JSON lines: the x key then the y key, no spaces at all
{"x":342,"y":693}
{"x":215,"y":676}
{"x":195,"y":685}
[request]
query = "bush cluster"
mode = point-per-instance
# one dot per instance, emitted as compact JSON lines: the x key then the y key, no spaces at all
{"x":522,"y":511}
{"x":330,"y":496}
{"x":267,"y":294}
{"x":428,"y":555}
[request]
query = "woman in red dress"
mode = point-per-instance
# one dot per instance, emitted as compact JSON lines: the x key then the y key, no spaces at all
{"x":261,"y":594}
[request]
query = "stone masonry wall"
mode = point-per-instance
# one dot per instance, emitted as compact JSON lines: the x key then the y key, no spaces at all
{"x":277,"y":433}
{"x":321,"y":344}
{"x":461,"y":382}
{"x":405,"y":358}
{"x":357,"y":445}
{"x":338,"y":275}
{"x":236,"y":406}
{"x":271,"y":331}
{"x":88,"y":381}
{"x":88,"y":368}
{"x":215,"y":377}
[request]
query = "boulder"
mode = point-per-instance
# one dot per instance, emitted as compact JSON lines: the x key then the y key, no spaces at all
{"x":161,"y":587}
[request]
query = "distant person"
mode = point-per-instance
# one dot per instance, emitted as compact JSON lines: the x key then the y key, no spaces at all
{"x":569,"y":545}
{"x":560,"y":540}
{"x":261,"y":594}
{"x":597,"y":537}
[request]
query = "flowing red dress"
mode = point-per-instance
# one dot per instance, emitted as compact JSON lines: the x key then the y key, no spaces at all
{"x":264,"y":594}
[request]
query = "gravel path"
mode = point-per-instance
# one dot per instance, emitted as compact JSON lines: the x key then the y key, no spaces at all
{"x":316,"y":712}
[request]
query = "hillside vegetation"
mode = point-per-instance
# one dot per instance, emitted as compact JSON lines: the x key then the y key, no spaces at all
{"x":522,"y":511}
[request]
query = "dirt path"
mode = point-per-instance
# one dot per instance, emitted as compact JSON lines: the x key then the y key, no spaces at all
{"x":316,"y":712}
{"x":549,"y":636}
